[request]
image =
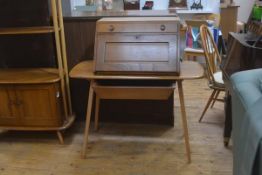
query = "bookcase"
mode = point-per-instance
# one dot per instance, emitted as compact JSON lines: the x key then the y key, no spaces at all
{"x":34,"y":97}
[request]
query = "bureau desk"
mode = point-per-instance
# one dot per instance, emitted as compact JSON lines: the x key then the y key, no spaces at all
{"x":84,"y":70}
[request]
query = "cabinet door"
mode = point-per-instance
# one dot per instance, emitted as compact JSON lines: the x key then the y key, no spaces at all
{"x":8,"y":111}
{"x":39,"y":105}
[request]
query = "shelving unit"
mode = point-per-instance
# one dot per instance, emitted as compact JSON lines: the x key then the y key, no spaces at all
{"x":38,"y":99}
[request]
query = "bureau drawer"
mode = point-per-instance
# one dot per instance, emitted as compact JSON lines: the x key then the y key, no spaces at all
{"x":163,"y":27}
{"x":137,"y":53}
{"x":134,"y":92}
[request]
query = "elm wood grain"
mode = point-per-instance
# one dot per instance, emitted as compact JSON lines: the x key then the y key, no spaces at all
{"x":29,"y":76}
{"x":195,"y":72}
{"x":189,"y":71}
{"x":26,"y":30}
{"x":146,"y":45}
{"x":88,"y":117}
{"x":9,"y":114}
{"x":80,"y":38}
{"x":144,"y":25}
{"x":213,"y":58}
{"x":139,"y":53}
{"x":130,"y":93}
{"x":51,"y":88}
{"x":44,"y":110}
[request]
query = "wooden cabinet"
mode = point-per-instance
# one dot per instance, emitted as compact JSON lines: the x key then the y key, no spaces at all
{"x":31,"y":105}
{"x":228,"y":20}
{"x":34,"y":96}
{"x":9,"y":115}
{"x":137,"y":45}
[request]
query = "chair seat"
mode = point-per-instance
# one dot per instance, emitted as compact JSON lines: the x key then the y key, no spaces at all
{"x":188,"y":49}
{"x":219,"y":78}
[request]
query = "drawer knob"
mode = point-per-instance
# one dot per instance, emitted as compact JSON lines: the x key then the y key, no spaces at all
{"x":162,"y":27}
{"x":111,"y":28}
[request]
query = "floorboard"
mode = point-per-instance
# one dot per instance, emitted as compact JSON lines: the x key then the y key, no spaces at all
{"x":126,"y":149}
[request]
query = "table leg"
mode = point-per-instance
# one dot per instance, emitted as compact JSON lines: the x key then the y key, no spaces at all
{"x":88,"y":116}
{"x":184,"y":119}
{"x":97,"y":112}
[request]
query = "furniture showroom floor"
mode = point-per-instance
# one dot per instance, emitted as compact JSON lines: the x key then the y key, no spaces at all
{"x":127,"y":149}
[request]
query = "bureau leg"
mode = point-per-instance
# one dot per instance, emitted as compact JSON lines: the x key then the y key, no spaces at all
{"x":184,"y":119}
{"x":97,"y":112}
{"x":60,"y":137}
{"x":88,"y":116}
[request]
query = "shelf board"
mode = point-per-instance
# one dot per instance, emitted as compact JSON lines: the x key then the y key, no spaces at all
{"x":65,"y":125}
{"x":29,"y":75}
{"x":26,"y":30}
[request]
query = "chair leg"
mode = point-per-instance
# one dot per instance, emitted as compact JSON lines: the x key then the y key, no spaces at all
{"x":215,"y":98}
{"x":207,"y":105}
{"x":60,"y":137}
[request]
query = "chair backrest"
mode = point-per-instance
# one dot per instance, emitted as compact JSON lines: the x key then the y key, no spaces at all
{"x":255,"y":28}
{"x":212,"y":56}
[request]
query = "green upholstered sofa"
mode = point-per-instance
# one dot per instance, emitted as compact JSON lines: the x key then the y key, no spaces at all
{"x":246,"y":90}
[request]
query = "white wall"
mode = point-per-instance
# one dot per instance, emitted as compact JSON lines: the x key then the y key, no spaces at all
{"x":210,"y":5}
{"x":244,"y":10}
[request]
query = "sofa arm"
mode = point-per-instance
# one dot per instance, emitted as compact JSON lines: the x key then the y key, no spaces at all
{"x":247,"y":86}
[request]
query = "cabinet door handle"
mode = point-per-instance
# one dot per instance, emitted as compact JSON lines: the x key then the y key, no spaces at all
{"x":111,"y":28}
{"x":57,"y":94}
{"x":18,"y":102}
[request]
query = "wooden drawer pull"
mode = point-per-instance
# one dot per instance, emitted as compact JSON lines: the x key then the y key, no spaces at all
{"x":111,"y":28}
{"x":162,"y":27}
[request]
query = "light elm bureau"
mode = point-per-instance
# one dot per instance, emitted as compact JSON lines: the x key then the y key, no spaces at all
{"x":85,"y":70}
{"x":136,"y":45}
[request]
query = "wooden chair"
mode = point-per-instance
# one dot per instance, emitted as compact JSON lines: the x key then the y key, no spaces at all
{"x":213,"y":74}
{"x":197,"y":21}
{"x":255,"y":27}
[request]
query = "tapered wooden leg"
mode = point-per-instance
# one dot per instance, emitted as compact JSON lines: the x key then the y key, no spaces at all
{"x":97,"y":112}
{"x":88,"y":116}
{"x":60,"y":137}
{"x":215,"y":98}
{"x":207,"y":105}
{"x":184,"y":120}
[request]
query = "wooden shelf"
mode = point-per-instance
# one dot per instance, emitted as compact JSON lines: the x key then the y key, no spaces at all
{"x":27,"y":30}
{"x":29,"y":76}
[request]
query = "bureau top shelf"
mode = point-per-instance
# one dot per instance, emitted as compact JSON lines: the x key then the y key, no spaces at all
{"x":27,"y":30}
{"x":29,"y":76}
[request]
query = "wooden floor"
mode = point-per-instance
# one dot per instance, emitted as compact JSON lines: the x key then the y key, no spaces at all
{"x":125,"y":149}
